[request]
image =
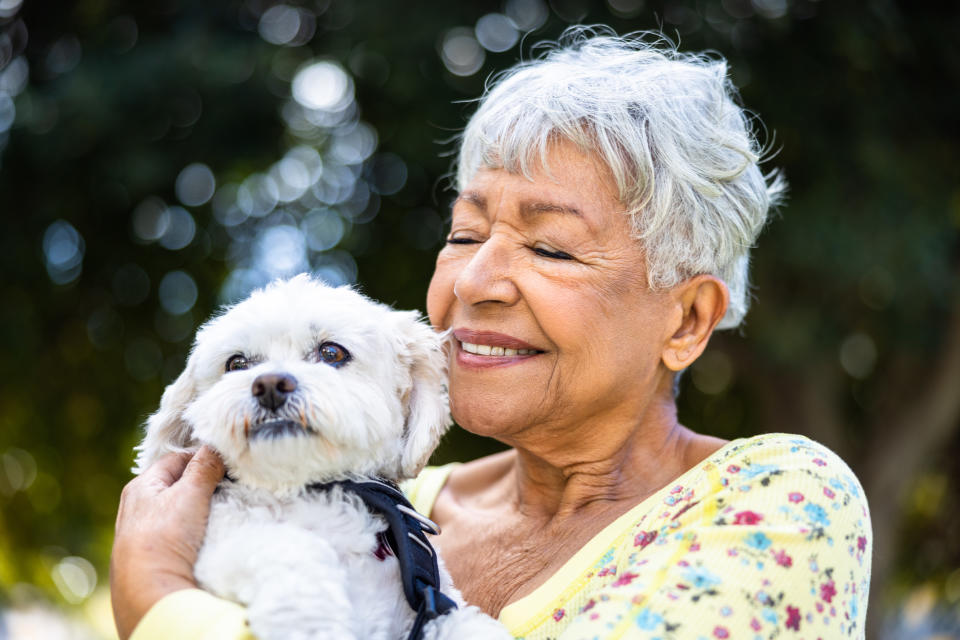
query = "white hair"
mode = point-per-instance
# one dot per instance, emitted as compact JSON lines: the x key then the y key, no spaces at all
{"x":667,"y":125}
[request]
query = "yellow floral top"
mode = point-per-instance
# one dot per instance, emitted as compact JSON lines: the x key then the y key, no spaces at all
{"x":767,"y":538}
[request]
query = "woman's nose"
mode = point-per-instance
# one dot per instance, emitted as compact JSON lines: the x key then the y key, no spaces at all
{"x":488,"y":275}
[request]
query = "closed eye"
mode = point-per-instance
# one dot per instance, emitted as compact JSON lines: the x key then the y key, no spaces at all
{"x":461,"y":241}
{"x":549,"y":253}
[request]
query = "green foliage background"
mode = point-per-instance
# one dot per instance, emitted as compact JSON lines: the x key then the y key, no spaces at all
{"x":853,"y":339}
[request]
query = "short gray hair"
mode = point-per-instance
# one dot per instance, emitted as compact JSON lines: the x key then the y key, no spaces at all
{"x":668,"y":126}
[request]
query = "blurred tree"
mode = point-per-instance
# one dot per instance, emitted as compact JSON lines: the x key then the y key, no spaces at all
{"x":158,"y":160}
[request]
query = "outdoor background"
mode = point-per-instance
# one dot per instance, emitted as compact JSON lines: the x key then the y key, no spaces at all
{"x":160,"y":158}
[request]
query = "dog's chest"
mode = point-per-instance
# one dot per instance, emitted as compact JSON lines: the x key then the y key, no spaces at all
{"x":258,"y":547}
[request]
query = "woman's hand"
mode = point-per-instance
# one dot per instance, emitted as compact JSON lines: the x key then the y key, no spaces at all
{"x":160,"y":527}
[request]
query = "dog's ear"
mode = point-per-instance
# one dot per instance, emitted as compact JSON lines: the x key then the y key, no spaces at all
{"x":166,"y":430}
{"x":425,"y":406}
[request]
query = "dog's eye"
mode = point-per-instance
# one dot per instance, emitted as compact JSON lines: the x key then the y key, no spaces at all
{"x":237,"y":362}
{"x":333,"y":354}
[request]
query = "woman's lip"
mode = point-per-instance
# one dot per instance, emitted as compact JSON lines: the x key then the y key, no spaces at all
{"x":492,"y":339}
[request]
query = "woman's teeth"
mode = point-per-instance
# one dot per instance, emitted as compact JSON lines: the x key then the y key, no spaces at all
{"x":487,"y":350}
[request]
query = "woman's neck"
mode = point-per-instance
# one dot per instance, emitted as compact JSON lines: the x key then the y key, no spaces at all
{"x":599,"y":465}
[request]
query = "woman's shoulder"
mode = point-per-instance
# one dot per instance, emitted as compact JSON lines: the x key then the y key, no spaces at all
{"x":779,"y":453}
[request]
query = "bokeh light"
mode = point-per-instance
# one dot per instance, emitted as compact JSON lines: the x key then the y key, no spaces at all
{"x":281,"y":251}
{"x":8,"y":112}
{"x":195,"y":184}
{"x":322,"y":228}
{"x":462,"y":55}
{"x":323,"y":86}
{"x":150,"y":220}
{"x":527,"y":14}
{"x":75,"y":577}
{"x":387,"y":173}
{"x":626,"y":8}
{"x":14,"y":78}
{"x":8,"y":8}
{"x":63,"y":249}
{"x":496,"y":32}
{"x":18,"y":470}
{"x":64,"y":55}
{"x":177,"y":292}
{"x":286,"y":25}
{"x":858,"y":355}
{"x":179,"y":231}
{"x":771,"y":9}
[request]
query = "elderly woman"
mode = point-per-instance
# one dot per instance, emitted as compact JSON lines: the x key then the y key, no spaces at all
{"x":609,"y":194}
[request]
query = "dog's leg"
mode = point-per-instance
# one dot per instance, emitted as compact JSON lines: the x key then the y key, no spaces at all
{"x":291,"y":581}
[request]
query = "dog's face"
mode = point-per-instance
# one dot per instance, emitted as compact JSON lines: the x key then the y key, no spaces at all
{"x":302,"y":383}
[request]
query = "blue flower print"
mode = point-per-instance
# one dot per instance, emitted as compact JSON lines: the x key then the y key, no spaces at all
{"x":817,"y":514}
{"x":648,"y":620}
{"x":700,"y":577}
{"x":757,"y":540}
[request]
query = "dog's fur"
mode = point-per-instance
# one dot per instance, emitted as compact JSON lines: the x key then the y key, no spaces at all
{"x":304,"y":562}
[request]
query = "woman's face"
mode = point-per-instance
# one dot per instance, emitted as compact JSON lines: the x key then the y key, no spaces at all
{"x":546,"y":293}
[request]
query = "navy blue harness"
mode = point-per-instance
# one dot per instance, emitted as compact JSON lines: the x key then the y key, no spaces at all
{"x":406,"y":538}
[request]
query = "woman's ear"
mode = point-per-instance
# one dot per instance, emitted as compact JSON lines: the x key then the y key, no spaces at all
{"x":166,"y":430}
{"x":702,"y":301}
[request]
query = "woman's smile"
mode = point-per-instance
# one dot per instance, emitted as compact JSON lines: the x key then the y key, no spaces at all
{"x":482,"y":349}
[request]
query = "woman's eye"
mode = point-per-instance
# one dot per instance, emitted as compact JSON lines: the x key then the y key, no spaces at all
{"x":333,"y":354}
{"x":237,"y":362}
{"x":461,"y":240}
{"x":550,"y":253}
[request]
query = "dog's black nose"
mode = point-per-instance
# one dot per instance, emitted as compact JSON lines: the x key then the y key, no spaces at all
{"x":271,"y":389}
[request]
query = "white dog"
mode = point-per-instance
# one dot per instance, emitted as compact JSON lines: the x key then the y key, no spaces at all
{"x":303,"y":384}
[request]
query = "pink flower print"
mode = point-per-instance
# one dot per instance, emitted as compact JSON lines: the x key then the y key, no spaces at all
{"x":827,"y":491}
{"x":624,"y":579}
{"x":862,"y":543}
{"x":720,"y":632}
{"x":819,"y":462}
{"x":820,"y":607}
{"x":733,"y":469}
{"x":558,"y":615}
{"x":795,"y":496}
{"x":644,"y":538}
{"x":755,"y":624}
{"x":827,"y":591}
{"x":793,"y":618}
{"x":747,"y":517}
{"x":590,"y":605}
{"x":677,"y":489}
{"x":783,"y":559}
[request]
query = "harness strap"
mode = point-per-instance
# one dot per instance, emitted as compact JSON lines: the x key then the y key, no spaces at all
{"x":405,"y":536}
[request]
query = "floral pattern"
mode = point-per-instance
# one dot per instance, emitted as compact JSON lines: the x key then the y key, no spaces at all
{"x":768,"y":538}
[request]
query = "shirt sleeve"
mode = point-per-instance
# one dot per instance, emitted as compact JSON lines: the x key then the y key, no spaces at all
{"x":777,"y":543}
{"x":192,"y":614}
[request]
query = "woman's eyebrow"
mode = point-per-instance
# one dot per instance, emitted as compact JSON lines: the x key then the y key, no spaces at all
{"x":527,"y":208}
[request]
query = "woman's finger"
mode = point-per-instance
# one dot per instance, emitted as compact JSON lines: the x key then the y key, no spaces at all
{"x":204,"y":470}
{"x":166,"y":470}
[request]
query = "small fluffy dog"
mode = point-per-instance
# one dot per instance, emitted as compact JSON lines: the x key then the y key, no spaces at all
{"x":301,"y":384}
